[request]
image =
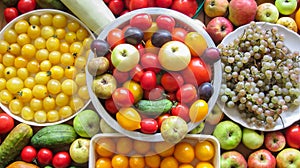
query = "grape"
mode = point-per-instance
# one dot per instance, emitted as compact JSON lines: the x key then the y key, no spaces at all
{"x":261,"y":75}
{"x":133,"y":35}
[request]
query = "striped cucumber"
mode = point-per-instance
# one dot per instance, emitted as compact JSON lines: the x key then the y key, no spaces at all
{"x":154,"y":107}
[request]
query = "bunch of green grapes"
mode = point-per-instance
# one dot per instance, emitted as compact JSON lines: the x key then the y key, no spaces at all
{"x":42,"y":67}
{"x":261,"y":76}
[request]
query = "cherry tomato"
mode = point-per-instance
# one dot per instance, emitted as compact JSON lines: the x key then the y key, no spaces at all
{"x":182,"y":111}
{"x":26,"y":5}
{"x":161,"y":118}
{"x":140,"y":48}
{"x":149,"y":125}
{"x":137,"y":4}
{"x":179,"y":34}
{"x":28,"y":154}
{"x":186,"y":93}
{"x":148,"y":80}
{"x":44,"y":156}
{"x":61,"y":160}
{"x":135,"y":88}
{"x":136,"y":73}
{"x":156,"y":93}
{"x":116,"y":6}
{"x":115,"y":37}
{"x":171,"y":81}
{"x":149,"y":61}
{"x":110,"y":106}
{"x":171,"y":96}
{"x":165,"y":22}
{"x":197,"y":72}
{"x":10,"y":14}
{"x":122,"y":97}
{"x":142,"y":21}
{"x":188,"y":7}
{"x":6,"y":123}
{"x":163,"y":4}
{"x":121,"y":77}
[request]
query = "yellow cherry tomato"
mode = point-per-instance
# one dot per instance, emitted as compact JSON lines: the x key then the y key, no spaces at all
{"x":129,"y":118}
{"x":198,"y":110}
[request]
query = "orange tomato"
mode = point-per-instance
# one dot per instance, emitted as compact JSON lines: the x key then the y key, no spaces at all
{"x":169,"y":162}
{"x":103,"y":163}
{"x":198,"y":110}
{"x":184,"y":152}
{"x":204,"y":150}
{"x":297,"y":18}
{"x":129,"y":118}
{"x":141,"y":147}
{"x":137,"y":161}
{"x":164,"y":149}
{"x":152,"y":160}
{"x":186,"y":165}
{"x":119,"y":161}
{"x":124,"y":145}
{"x":105,"y":147}
{"x":204,"y":165}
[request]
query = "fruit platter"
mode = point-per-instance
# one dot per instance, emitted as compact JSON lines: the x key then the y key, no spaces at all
{"x":149,"y":83}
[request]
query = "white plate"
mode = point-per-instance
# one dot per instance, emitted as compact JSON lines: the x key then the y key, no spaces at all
{"x":292,"y":41}
{"x":26,"y":16}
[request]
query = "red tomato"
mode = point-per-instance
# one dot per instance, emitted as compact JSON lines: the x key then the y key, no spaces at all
{"x":114,"y":37}
{"x":126,"y":2}
{"x":149,"y":125}
{"x":106,"y":1}
{"x":26,"y":5}
{"x":164,"y":3}
{"x":156,"y":93}
{"x":171,"y":81}
{"x":149,"y":61}
{"x":61,"y":159}
{"x":140,"y":48}
{"x":148,"y":80}
{"x":116,"y":6}
{"x":151,"y":3}
{"x":137,"y":4}
{"x":165,"y":22}
{"x":292,"y":135}
{"x":171,"y":96}
{"x":10,"y":14}
{"x":121,"y":77}
{"x":197,"y":72}
{"x":161,"y":118}
{"x":179,"y":34}
{"x":122,"y":97}
{"x":186,"y":93}
{"x":110,"y":106}
{"x":6,"y":123}
{"x":188,"y":7}
{"x":136,"y":73}
{"x":28,"y":154}
{"x":142,"y":21}
{"x":182,"y":111}
{"x":44,"y":156}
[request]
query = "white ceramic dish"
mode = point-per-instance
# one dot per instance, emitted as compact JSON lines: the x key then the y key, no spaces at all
{"x":292,"y":41}
{"x":181,"y":19}
{"x":26,"y":16}
{"x":191,"y":138}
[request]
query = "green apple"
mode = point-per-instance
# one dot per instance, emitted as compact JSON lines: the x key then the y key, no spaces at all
{"x":214,"y":8}
{"x":79,"y":150}
{"x":124,"y":57}
{"x":173,"y":129}
{"x":174,"y":56}
{"x":86,"y":123}
{"x":252,"y":139}
{"x":229,"y":134}
{"x":198,"y":129}
{"x":267,"y":12}
{"x":104,"y":85}
{"x":288,"y":158}
{"x":286,"y":7}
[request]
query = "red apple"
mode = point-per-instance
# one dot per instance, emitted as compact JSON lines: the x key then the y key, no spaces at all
{"x":242,"y":11}
{"x":274,"y":141}
{"x":288,"y":157}
{"x":261,"y":158}
{"x":218,"y":28}
{"x":292,"y":135}
{"x":233,"y":159}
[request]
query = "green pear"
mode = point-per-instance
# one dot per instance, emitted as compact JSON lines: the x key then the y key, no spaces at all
{"x":252,"y":139}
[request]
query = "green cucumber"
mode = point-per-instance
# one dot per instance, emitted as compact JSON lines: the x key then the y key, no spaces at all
{"x":14,"y":142}
{"x":54,"y":136}
{"x":154,"y":107}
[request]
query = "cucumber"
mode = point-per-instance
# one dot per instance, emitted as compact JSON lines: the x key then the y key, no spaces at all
{"x":154,"y":107}
{"x":52,"y":4}
{"x":54,"y":136}
{"x":14,"y":142}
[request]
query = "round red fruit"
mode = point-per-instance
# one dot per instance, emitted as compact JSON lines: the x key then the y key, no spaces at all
{"x":179,"y":34}
{"x":26,"y":5}
{"x":10,"y":14}
{"x":121,"y":77}
{"x":149,"y":125}
{"x":137,"y":4}
{"x":156,"y":93}
{"x":122,"y":97}
{"x":165,"y":22}
{"x":28,"y":154}
{"x":163,"y":4}
{"x":110,"y":106}
{"x":142,"y":21}
{"x":116,"y":6}
{"x":292,"y":135}
{"x":44,"y":156}
{"x":115,"y":37}
{"x":61,"y":160}
{"x":149,"y":61}
{"x":136,"y":73}
{"x":187,"y":7}
{"x":148,"y":80}
{"x":182,"y":111}
{"x":187,"y":93}
{"x":6,"y":123}
{"x":161,"y":118}
{"x":171,"y":81}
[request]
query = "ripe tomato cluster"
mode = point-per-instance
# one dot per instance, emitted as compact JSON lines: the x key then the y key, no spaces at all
{"x":119,"y":7}
{"x":22,"y":6}
{"x":139,"y":55}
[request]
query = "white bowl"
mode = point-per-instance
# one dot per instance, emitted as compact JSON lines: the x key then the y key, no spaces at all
{"x":26,"y":16}
{"x":186,"y":22}
{"x":287,"y":118}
